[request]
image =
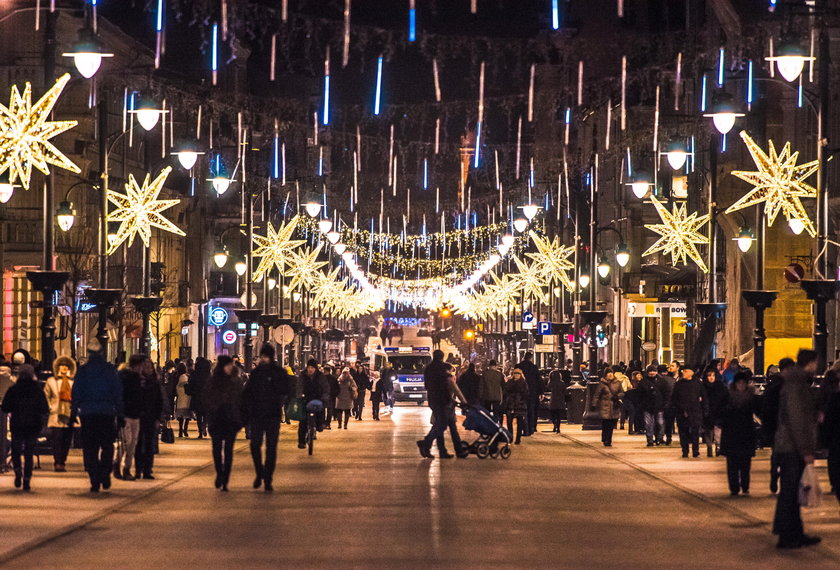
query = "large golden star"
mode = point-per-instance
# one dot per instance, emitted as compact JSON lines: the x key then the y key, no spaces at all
{"x":778,"y":182}
{"x":275,"y":246}
{"x":139,"y":210}
{"x":530,"y":279}
{"x":303,"y":268}
{"x":25,"y":134}
{"x":679,"y":234}
{"x":552,"y":257}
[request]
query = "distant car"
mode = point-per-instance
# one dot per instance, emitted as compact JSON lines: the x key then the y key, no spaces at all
{"x":408,"y":363}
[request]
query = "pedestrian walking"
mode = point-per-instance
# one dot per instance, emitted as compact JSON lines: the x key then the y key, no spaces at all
{"x":516,"y":402}
{"x":795,"y":446}
{"x":608,"y":403}
{"x":665,"y":380}
{"x":151,"y":409}
{"x":650,"y":402}
{"x":363,"y":384}
{"x":717,"y":395}
{"x":223,"y":405}
{"x":183,"y":412}
{"x":5,"y":384}
{"x":59,"y":392}
{"x":441,"y":388}
{"x":631,"y":407}
{"x":490,"y":389}
{"x":376,"y":398}
{"x":98,"y":403}
{"x":387,"y":377}
{"x":769,"y":415}
{"x":329,"y":403}
{"x":131,"y":379}
{"x":691,"y":405}
{"x":347,"y":394}
{"x":198,"y":380}
{"x":626,"y":385}
{"x":531,"y":375}
{"x":311,"y":385}
{"x":470,"y":385}
{"x":264,"y":397}
{"x":738,"y":436}
{"x":557,"y":404}
{"x":27,"y":406}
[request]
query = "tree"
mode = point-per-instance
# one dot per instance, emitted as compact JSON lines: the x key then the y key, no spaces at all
{"x":76,"y":249}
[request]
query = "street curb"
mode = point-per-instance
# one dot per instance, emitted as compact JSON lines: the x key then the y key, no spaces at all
{"x":822,"y":550}
{"x":36,"y":543}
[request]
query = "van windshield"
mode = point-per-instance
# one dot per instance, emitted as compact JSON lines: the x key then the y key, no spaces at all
{"x":410,"y":362}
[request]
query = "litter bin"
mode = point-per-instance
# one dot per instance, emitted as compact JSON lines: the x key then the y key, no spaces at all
{"x":574,"y":407}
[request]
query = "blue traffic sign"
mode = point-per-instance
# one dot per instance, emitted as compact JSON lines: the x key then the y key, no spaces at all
{"x":217,"y":316}
{"x":544,"y":327}
{"x":527,"y":317}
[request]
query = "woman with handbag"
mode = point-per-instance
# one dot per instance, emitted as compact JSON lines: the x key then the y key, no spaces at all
{"x":183,"y":412}
{"x":608,"y":401}
{"x":223,"y":406}
{"x":59,"y":389}
{"x":347,"y":394}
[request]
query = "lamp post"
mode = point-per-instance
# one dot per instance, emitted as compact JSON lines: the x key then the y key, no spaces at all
{"x":759,"y":299}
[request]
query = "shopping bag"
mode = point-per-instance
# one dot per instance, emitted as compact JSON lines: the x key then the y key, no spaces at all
{"x":294,"y":410}
{"x":810,"y":494}
{"x":167,"y":435}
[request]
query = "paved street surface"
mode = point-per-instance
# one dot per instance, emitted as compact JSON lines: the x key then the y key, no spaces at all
{"x":366,"y":499}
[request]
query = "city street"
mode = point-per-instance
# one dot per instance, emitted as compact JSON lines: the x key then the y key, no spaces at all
{"x":367,"y":499}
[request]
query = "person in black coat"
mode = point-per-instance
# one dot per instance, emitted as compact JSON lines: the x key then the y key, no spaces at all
{"x":312,"y":385}
{"x":469,"y":383}
{"x":535,"y":389}
{"x":27,"y":404}
{"x":150,"y":413}
{"x":195,"y":388}
{"x":362,"y":385}
{"x":263,"y":399}
{"x":690,"y":404}
{"x":650,"y":403}
{"x":223,"y":405}
{"x":738,"y":436}
{"x":718,"y":396}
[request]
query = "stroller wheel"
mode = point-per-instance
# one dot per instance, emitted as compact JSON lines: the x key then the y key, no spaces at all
{"x":495,"y":452}
{"x":482,"y":450}
{"x":504,"y":452}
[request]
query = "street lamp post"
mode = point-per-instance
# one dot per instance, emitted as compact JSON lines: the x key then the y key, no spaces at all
{"x":248,"y":315}
{"x":759,"y":299}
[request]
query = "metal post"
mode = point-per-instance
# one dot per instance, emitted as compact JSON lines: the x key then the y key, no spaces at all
{"x":593,"y":273}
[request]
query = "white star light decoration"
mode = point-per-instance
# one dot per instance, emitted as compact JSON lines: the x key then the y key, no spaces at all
{"x":25,"y":134}
{"x":778,"y":182}
{"x":139,"y":210}
{"x":679,"y":235}
{"x":552,"y":257}
{"x":275,"y":246}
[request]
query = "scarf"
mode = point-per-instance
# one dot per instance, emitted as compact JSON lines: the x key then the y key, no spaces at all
{"x":65,"y":390}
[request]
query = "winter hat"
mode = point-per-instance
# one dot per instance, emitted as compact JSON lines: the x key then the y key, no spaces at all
{"x":267,"y":350}
{"x":346,"y":369}
{"x":312,"y":362}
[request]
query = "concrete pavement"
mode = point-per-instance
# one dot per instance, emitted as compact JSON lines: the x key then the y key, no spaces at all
{"x":366,"y":499}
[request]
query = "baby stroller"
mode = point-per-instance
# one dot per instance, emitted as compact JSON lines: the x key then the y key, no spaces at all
{"x":493,"y":439}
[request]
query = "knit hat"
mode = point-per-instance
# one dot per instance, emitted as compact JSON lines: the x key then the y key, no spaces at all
{"x":267,"y":350}
{"x":312,"y":362}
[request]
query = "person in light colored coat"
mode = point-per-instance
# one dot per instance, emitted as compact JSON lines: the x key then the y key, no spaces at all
{"x":347,"y":392}
{"x":59,"y":391}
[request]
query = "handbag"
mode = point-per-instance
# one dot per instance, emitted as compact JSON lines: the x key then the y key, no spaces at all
{"x":167,"y":435}
{"x":294,"y":410}
{"x":810,"y":494}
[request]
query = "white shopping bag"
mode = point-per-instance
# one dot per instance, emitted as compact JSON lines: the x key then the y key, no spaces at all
{"x":810,"y":494}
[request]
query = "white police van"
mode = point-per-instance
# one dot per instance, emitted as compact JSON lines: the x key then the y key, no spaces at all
{"x":408,"y":363}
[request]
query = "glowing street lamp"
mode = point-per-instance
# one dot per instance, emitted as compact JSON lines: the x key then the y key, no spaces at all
{"x":530,"y":211}
{"x":640,"y":184}
{"x":148,"y":114}
{"x":188,"y":156}
{"x":790,"y":59}
{"x":676,"y":153}
{"x":603,"y":268}
{"x":87,"y":54}
{"x":622,"y":255}
{"x":508,"y":240}
{"x":520,"y":224}
{"x":240,"y":266}
{"x":340,"y":248}
{"x":797,"y":226}
{"x":324,"y":225}
{"x":333,"y":237}
{"x":583,"y":279}
{"x":220,"y":257}
{"x":6,"y":188}
{"x":723,"y":115}
{"x":65,"y":215}
{"x":745,"y":239}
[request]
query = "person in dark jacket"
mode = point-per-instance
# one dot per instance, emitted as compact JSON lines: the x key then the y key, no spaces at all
{"x":470,"y":385}
{"x":223,"y":405}
{"x":490,"y":389}
{"x":665,"y":380}
{"x":689,"y":400}
{"x":329,"y":403}
{"x":28,"y":406}
{"x":151,"y":408}
{"x":263,"y":399}
{"x":98,"y":403}
{"x":557,"y":404}
{"x":131,"y":379}
{"x":376,"y":398}
{"x":650,"y":403}
{"x":769,"y":414}
{"x":795,"y":445}
{"x":198,"y":379}
{"x":312,"y":385}
{"x":831,"y":440}
{"x":515,"y":402}
{"x":718,"y":396}
{"x":440,"y":384}
{"x":362,"y":385}
{"x":635,"y":417}
{"x":738,"y":437}
{"x":532,"y":378}
{"x":387,"y":377}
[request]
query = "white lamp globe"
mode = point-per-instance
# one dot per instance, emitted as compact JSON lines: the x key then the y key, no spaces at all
{"x":797,"y":226}
{"x":333,"y":237}
{"x":503,"y":249}
{"x":676,"y":154}
{"x":313,"y":209}
{"x":583,"y":279}
{"x":339,"y":248}
{"x":187,"y":158}
{"x":520,"y":224}
{"x":6,"y":191}
{"x":220,"y":258}
{"x":324,"y":225}
{"x":530,"y":210}
{"x":603,"y":268}
{"x":622,"y":255}
{"x":240,"y":267}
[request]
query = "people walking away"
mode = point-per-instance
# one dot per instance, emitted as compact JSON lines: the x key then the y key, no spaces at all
{"x":183,"y":412}
{"x":131,"y":379}
{"x":387,"y":377}
{"x":376,"y":398}
{"x":769,"y":415}
{"x":690,"y":405}
{"x":665,"y":380}
{"x":608,"y":401}
{"x":362,"y":385}
{"x":738,"y":436}
{"x":532,"y":377}
{"x":440,"y":388}
{"x":98,"y":403}
{"x":516,"y":402}
{"x":625,"y":386}
{"x":198,"y":379}
{"x":795,"y":445}
{"x":490,"y":389}
{"x":151,"y":408}
{"x":223,"y":405}
{"x":717,"y":394}
{"x":650,"y":402}
{"x":329,"y":403}
{"x":347,"y":393}
{"x":557,"y":403}
{"x":470,"y":385}
{"x":311,"y":386}
{"x":27,"y":405}
{"x":5,"y":384}
{"x":59,"y":392}
{"x":263,"y":399}
{"x":630,"y":408}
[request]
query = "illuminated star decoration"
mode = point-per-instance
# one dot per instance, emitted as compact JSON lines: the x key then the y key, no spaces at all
{"x":530,"y":279}
{"x":552,"y":258}
{"x":679,"y":235}
{"x":303,"y":268}
{"x":778,"y":182}
{"x":139,"y":210}
{"x":25,"y":134}
{"x":275,"y":246}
